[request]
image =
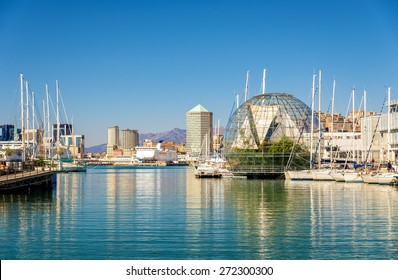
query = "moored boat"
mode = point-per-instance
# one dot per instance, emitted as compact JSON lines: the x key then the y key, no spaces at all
{"x":71,"y":166}
{"x":352,"y":176}
{"x":337,"y":175}
{"x":322,"y":175}
{"x":370,"y":178}
{"x":206,"y":170}
{"x":298,"y":175}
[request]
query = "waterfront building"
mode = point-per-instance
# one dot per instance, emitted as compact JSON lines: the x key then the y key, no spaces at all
{"x":217,"y":142}
{"x":261,"y":132}
{"x":113,"y":140}
{"x":64,"y":129}
{"x":15,"y":147}
{"x":199,"y":125}
{"x":379,"y":134}
{"x":156,"y":153}
{"x":129,"y":139}
{"x":6,"y":132}
{"x":113,"y":136}
{"x":74,"y":143}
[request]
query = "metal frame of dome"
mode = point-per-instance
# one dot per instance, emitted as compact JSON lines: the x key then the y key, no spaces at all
{"x":258,"y":132}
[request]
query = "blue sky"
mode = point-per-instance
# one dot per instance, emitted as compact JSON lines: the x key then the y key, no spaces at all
{"x":144,"y":64}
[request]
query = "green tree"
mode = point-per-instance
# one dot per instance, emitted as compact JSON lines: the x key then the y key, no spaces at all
{"x":9,"y":152}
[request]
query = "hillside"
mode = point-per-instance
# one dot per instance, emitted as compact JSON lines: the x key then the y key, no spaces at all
{"x":176,"y":135}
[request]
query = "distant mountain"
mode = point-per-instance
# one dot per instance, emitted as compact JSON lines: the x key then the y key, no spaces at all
{"x":96,"y":149}
{"x":176,"y":135}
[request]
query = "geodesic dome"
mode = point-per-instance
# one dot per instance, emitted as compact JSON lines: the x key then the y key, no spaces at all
{"x":265,"y":120}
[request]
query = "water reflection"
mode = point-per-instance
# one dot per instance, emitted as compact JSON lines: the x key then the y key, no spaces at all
{"x":167,"y":213}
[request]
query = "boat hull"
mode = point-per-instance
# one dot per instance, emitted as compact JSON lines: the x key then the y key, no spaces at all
{"x":338,"y":176}
{"x":322,"y":175}
{"x":369,"y":178}
{"x":352,"y":177}
{"x":298,"y":175}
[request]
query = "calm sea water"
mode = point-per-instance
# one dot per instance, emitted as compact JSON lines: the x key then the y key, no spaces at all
{"x":166,"y":213}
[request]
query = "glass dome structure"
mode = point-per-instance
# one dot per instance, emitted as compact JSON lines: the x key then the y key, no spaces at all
{"x":262,"y":132}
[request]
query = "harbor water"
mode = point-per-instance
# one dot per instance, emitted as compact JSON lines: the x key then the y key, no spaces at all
{"x":123,"y":213}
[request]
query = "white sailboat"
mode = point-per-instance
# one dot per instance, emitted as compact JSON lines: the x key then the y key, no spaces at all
{"x":322,"y":173}
{"x":306,"y":174}
{"x":66,"y":164}
{"x":384,"y":176}
{"x":206,"y":168}
{"x":353,"y":176}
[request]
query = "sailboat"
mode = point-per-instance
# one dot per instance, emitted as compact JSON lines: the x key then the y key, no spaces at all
{"x":322,"y":174}
{"x":306,"y":174}
{"x":206,"y":168}
{"x":349,"y":175}
{"x":66,"y":164}
{"x":383,"y":176}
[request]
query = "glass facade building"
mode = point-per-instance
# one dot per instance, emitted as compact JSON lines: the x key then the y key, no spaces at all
{"x":262,"y":132}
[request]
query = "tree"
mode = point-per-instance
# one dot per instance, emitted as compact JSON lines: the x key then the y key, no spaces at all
{"x":9,"y":152}
{"x":59,"y":152}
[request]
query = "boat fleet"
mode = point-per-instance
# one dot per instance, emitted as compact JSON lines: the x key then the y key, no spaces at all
{"x":381,"y":176}
{"x":41,"y":140}
{"x":349,"y":171}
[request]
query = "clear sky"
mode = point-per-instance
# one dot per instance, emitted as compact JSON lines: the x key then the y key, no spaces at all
{"x":144,"y":64}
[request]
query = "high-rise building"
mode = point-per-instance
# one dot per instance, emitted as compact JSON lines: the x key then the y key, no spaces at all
{"x":113,"y":136}
{"x":6,"y":132}
{"x":199,"y":125}
{"x":129,"y":139}
{"x":113,"y":139}
{"x":64,"y":129}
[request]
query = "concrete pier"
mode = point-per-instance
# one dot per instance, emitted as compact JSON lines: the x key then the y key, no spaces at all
{"x":26,"y":180}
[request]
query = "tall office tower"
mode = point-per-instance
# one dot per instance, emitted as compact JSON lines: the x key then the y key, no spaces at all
{"x":113,"y":139}
{"x":6,"y":132}
{"x":199,"y":125}
{"x":129,"y":139}
{"x":113,"y":136}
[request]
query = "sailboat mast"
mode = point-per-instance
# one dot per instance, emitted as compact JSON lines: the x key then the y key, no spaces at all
{"x":44,"y":128}
{"x":48,"y":122}
{"x":365,"y":146}
{"x":388,"y":123}
{"x":247,"y":85}
{"x":33,"y":125}
{"x":264,"y":76}
{"x":27,"y":109}
{"x":58,"y":124}
{"x":332,"y":124}
{"x":312,"y":119}
{"x":319,"y":116}
{"x":22,"y":118}
{"x":353,"y":124}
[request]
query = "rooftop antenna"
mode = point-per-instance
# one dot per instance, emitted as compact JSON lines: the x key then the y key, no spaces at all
{"x":264,"y":75}
{"x":247,"y":85}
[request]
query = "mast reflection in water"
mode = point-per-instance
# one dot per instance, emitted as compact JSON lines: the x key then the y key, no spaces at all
{"x":166,"y":213}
